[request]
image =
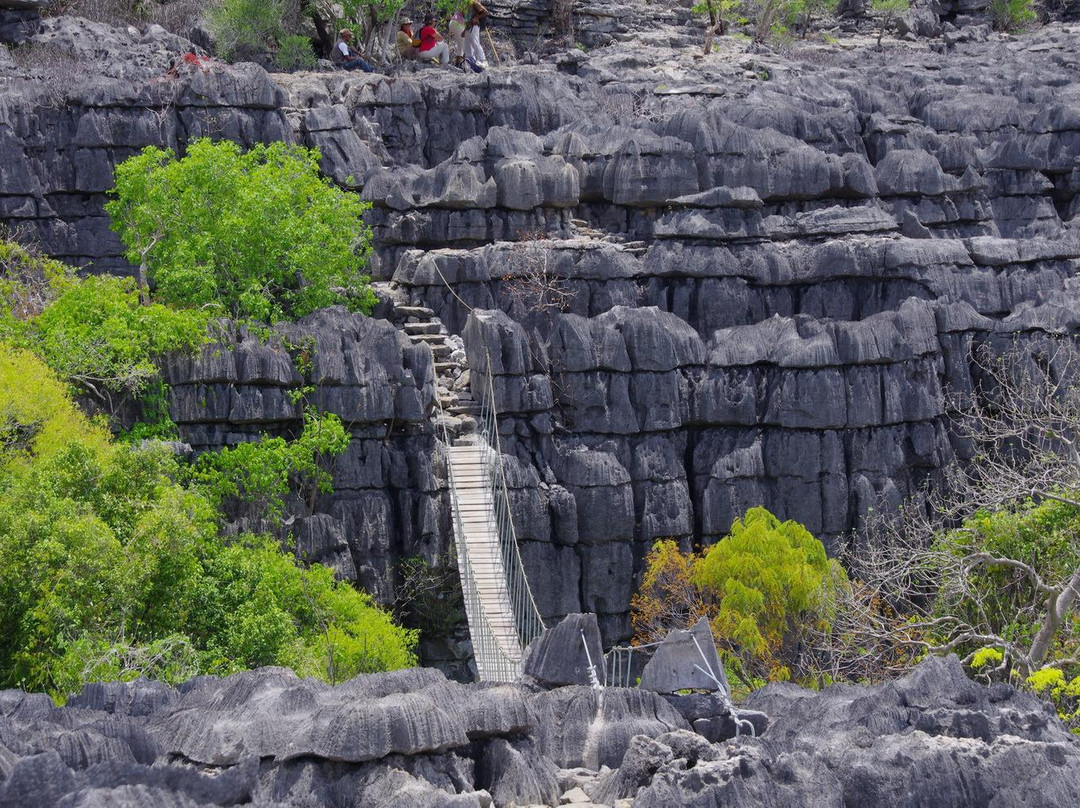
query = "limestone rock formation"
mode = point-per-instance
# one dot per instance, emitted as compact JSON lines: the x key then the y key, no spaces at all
{"x":413,"y":738}
{"x":561,"y":655}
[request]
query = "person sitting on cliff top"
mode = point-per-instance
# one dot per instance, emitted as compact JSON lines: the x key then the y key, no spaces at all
{"x":344,"y":55}
{"x":431,"y":42}
{"x":407,"y":45}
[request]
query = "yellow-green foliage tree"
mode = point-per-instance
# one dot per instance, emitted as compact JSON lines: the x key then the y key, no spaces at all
{"x":110,"y":569}
{"x":764,"y":586}
{"x":772,"y":581}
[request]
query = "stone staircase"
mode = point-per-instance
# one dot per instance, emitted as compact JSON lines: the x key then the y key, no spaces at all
{"x":582,"y":229}
{"x":421,"y":326}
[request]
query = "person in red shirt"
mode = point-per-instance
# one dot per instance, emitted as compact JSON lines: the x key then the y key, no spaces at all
{"x":431,"y":42}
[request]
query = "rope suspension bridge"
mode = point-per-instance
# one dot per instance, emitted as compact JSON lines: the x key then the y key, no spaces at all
{"x":503,"y":618}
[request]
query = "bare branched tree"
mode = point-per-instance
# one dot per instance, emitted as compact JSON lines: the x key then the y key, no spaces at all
{"x":533,"y":280}
{"x":925,"y":582}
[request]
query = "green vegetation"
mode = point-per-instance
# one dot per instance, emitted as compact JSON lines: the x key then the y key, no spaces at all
{"x":803,"y":13}
{"x":263,"y":473}
{"x":257,"y":235}
{"x":1051,"y":684}
{"x":719,"y":14}
{"x":295,"y":53}
{"x":93,"y":332}
{"x":282,"y":28}
{"x":1012,"y":15}
{"x":772,"y":580}
{"x":99,"y":337}
{"x":28,"y":283}
{"x":996,"y":573}
{"x":112,"y":564}
{"x":109,"y":568}
{"x":765,"y":586}
{"x":244,"y":28}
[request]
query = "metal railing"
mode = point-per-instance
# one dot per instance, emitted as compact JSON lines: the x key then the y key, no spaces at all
{"x":494,"y":661}
{"x":527,"y":617}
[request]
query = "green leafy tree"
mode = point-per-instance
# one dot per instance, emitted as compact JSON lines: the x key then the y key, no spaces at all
{"x":111,"y":569}
{"x":772,"y":580}
{"x":264,"y":472}
{"x":718,"y":14}
{"x":1008,"y":579}
{"x":257,"y":235}
{"x":99,"y":337}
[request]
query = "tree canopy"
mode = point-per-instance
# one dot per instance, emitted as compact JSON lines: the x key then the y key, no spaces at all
{"x":109,"y":568}
{"x":255,"y":235}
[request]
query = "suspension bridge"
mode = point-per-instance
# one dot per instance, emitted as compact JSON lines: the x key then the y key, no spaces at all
{"x":499,"y":606}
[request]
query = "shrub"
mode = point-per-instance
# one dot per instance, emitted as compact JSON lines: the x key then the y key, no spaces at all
{"x":258,"y":235}
{"x":243,"y":28}
{"x":109,"y":568}
{"x":668,"y":597}
{"x":1011,"y":15}
{"x":99,"y":337}
{"x":772,"y":581}
{"x":264,"y":472}
{"x":1050,"y":683}
{"x":1006,"y":600}
{"x":28,"y":283}
{"x":294,"y":53}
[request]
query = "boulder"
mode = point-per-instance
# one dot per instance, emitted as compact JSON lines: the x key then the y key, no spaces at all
{"x":559,"y":656}
{"x":685,"y":660}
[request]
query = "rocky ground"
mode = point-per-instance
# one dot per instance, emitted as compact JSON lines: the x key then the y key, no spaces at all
{"x":771,"y":268}
{"x":412,"y":738}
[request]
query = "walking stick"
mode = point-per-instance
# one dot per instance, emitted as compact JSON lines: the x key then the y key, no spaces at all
{"x":493,"y":48}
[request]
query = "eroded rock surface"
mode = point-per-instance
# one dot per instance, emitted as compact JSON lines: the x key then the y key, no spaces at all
{"x":412,"y":738}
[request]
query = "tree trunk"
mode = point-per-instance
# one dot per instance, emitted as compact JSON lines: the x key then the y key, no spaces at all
{"x":1057,"y":606}
{"x":326,"y":38}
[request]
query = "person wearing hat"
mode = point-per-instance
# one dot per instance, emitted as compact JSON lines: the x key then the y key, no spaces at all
{"x":431,"y":42}
{"x":344,"y":55}
{"x":407,"y":44}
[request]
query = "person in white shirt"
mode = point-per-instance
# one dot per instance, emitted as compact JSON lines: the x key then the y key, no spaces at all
{"x":345,"y":56}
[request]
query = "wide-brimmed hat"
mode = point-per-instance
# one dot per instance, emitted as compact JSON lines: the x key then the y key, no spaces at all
{"x":345,"y":32}
{"x":406,"y":21}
